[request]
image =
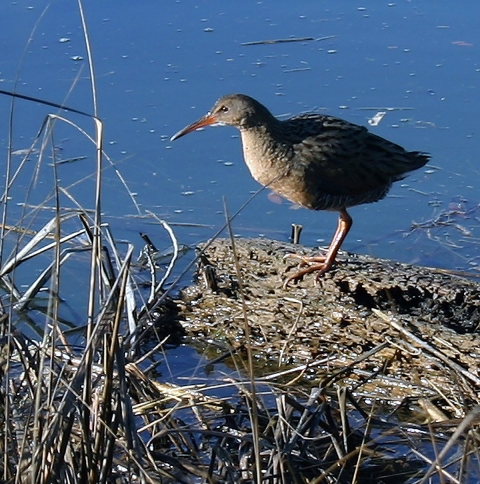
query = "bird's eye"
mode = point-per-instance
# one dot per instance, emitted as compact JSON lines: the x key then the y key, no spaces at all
{"x":224,"y":109}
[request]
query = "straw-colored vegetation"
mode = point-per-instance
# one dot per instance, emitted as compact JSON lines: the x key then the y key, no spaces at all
{"x":82,"y":399}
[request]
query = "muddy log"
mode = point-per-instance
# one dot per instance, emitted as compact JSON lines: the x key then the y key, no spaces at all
{"x":409,"y":314}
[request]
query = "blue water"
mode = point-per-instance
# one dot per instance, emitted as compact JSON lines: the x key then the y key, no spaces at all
{"x":160,"y":65}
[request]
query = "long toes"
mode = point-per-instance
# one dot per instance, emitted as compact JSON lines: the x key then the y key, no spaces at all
{"x":320,"y":268}
{"x":305,"y":259}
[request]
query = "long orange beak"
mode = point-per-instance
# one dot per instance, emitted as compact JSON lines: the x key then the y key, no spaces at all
{"x":207,"y":120}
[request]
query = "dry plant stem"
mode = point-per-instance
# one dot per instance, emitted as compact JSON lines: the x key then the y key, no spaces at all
{"x":53,"y":301}
{"x":276,"y":41}
{"x":292,"y":329}
{"x":438,"y":354}
{"x":41,"y":234}
{"x":78,"y":128}
{"x":96,"y":258}
{"x":298,"y":369}
{"x":130,"y":293}
{"x":459,"y":431}
{"x":10,"y":136}
{"x":281,"y":41}
{"x":11,"y":179}
{"x":174,"y":283}
{"x":445,"y":476}
{"x":25,"y":253}
{"x":364,"y":444}
{"x":47,"y":274}
{"x":153,"y":276}
{"x":113,"y":300}
{"x":91,"y":64}
{"x":47,"y":125}
{"x":104,"y":435}
{"x":51,"y":321}
{"x":327,"y":473}
{"x":158,"y":287}
{"x":27,"y":256}
{"x":350,"y":367}
{"x":254,"y":409}
{"x":342,"y":407}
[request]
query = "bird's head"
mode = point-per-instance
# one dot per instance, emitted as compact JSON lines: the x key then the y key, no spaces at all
{"x":236,"y":110}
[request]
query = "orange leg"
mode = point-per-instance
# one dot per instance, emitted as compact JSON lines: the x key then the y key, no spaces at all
{"x":320,"y":263}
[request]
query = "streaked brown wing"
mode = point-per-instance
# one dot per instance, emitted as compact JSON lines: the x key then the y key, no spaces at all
{"x":341,"y":158}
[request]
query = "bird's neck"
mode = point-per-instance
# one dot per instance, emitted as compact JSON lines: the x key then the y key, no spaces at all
{"x":265,"y":155}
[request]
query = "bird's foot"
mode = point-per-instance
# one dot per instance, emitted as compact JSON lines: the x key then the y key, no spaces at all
{"x":319,"y":264}
{"x":306,"y":260}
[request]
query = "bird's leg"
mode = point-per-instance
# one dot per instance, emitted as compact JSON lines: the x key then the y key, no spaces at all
{"x":324,"y":263}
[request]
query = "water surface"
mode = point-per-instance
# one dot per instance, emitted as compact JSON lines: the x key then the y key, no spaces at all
{"x":161,"y":65}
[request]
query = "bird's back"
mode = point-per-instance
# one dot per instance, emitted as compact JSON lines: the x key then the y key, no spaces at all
{"x":340,"y":164}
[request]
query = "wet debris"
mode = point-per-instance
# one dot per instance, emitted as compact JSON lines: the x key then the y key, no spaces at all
{"x":419,"y":326}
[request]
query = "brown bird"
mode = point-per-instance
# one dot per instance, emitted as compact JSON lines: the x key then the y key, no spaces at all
{"x":319,"y":162}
